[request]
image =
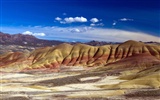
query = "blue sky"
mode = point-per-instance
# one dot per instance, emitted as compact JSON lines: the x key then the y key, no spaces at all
{"x":83,"y":20}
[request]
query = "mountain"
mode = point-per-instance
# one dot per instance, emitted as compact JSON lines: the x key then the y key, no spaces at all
{"x":130,"y":54}
{"x":25,"y":40}
{"x":99,"y":43}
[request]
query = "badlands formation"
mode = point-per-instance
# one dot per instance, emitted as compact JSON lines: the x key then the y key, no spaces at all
{"x":126,"y":55}
{"x":130,"y":70}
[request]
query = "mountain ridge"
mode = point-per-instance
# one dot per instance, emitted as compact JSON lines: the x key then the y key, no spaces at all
{"x":25,"y":40}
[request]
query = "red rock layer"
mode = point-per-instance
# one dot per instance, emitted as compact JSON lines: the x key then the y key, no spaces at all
{"x":88,"y":56}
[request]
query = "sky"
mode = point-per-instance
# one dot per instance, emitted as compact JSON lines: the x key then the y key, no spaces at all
{"x":82,"y":20}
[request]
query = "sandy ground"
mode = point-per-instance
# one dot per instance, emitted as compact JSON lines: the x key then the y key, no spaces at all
{"x":59,"y":86}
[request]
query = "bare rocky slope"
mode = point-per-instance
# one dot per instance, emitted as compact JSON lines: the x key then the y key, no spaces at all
{"x":126,"y":55}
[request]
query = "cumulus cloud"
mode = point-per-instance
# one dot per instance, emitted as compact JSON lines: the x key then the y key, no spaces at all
{"x":58,"y":18}
{"x":75,"y":19}
{"x":80,"y":19}
{"x":69,"y":20}
{"x":126,"y":19}
{"x":35,"y":34}
{"x":94,"y":20}
{"x":27,"y":33}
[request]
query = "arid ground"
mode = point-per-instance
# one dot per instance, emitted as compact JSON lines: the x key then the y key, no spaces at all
{"x":77,"y":84}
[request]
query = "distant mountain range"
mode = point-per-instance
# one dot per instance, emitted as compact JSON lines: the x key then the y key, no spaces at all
{"x":25,"y":40}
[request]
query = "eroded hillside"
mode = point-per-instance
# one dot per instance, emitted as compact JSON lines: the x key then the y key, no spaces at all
{"x":127,"y":54}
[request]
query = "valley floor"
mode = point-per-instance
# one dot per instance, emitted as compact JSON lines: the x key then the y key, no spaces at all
{"x":72,"y":85}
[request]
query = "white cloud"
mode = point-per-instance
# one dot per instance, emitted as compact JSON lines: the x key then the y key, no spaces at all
{"x":69,"y":20}
{"x":39,"y":34}
{"x":79,"y":29}
{"x":75,"y":19}
{"x":35,"y":34}
{"x":80,"y":19}
{"x":122,"y":19}
{"x":58,"y":18}
{"x":82,"y":33}
{"x":27,"y":33}
{"x":114,"y":23}
{"x":119,"y":35}
{"x":62,"y":22}
{"x":94,"y":20}
{"x":87,"y":29}
{"x":126,"y":19}
{"x":93,"y":24}
{"x":75,"y":30}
